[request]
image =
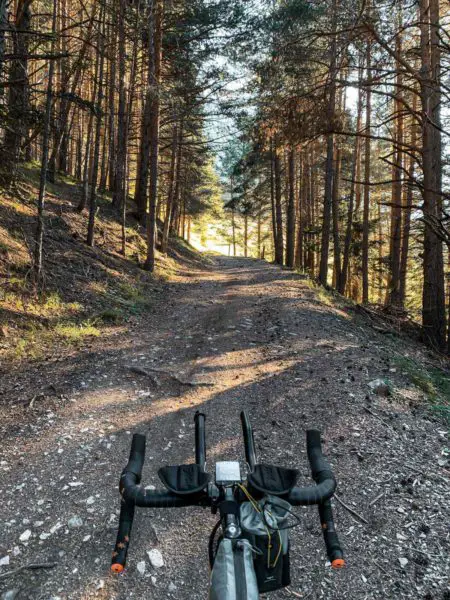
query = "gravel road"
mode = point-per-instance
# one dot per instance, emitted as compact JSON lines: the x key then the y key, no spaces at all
{"x":269,"y":343}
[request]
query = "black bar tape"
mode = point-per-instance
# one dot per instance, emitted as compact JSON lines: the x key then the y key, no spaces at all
{"x":137,"y":456}
{"x":313,"y":494}
{"x":332,"y":544}
{"x":320,"y":467}
{"x":131,"y":476}
{"x":119,"y":556}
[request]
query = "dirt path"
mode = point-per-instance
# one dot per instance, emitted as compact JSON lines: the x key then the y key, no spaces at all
{"x":266,"y":342}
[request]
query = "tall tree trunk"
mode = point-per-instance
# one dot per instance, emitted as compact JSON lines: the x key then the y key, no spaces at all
{"x":39,"y":235}
{"x":335,"y":212}
{"x":98,"y":130}
{"x":245,"y":235}
{"x":155,"y":76}
{"x":407,"y":209}
{"x":393,"y":293}
{"x":278,"y":208}
{"x":272,"y":200}
{"x":351,"y":203}
{"x":3,"y":27}
{"x":142,"y":175}
{"x":233,"y":217}
{"x":17,"y":115}
{"x":119,"y":187}
{"x":175,"y":166}
{"x":367,"y":171}
{"x":433,"y":297}
{"x":303,"y":186}
{"x":329,"y":167}
{"x":112,"y":109}
{"x":259,"y":229}
{"x":61,"y":135}
{"x":290,"y":225}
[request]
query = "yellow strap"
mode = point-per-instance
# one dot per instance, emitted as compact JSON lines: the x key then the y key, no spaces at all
{"x":259,"y":511}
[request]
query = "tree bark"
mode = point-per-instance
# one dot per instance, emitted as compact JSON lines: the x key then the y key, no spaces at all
{"x":98,"y":128}
{"x":351,"y":203}
{"x":290,"y":225}
{"x":367,"y":172}
{"x":175,"y":165}
{"x":119,"y":187}
{"x":393,"y":293}
{"x":39,"y":235}
{"x":272,"y":201}
{"x":155,"y":76}
{"x":17,"y":116}
{"x":278,"y":208}
{"x":433,"y":297}
{"x":335,"y":211}
{"x":329,"y":167}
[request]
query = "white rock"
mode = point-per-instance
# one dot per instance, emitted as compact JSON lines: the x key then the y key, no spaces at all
{"x":75,"y":483}
{"x":86,"y":538}
{"x":141,"y":567}
{"x":25,"y":536}
{"x":172,"y":587}
{"x":155,"y":558}
{"x":100,"y":584}
{"x":74,"y":522}
{"x":44,"y":536}
{"x":4,"y":561}
{"x":90,"y":500}
{"x":403,"y":561}
{"x":10,"y":594}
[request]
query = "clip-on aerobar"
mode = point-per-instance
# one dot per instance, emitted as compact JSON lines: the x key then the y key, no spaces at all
{"x":134,"y":495}
{"x":319,"y":494}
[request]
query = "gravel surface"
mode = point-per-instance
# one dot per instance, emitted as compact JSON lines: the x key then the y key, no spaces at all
{"x":268,"y":344}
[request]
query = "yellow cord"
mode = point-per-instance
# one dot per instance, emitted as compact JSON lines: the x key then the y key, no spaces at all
{"x":259,"y":511}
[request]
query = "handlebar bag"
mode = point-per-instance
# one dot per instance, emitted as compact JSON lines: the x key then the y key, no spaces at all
{"x":233,"y":576}
{"x":264,"y":525}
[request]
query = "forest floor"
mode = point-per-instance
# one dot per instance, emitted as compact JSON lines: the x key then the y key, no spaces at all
{"x":269,"y":342}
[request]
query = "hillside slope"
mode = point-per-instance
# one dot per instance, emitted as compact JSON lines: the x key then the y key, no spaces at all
{"x":264,"y":340}
{"x":87,"y":293}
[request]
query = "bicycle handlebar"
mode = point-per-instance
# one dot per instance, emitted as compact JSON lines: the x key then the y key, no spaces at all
{"x":133,"y":494}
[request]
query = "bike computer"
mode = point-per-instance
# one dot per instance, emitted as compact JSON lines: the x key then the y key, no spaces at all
{"x":227,"y":473}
